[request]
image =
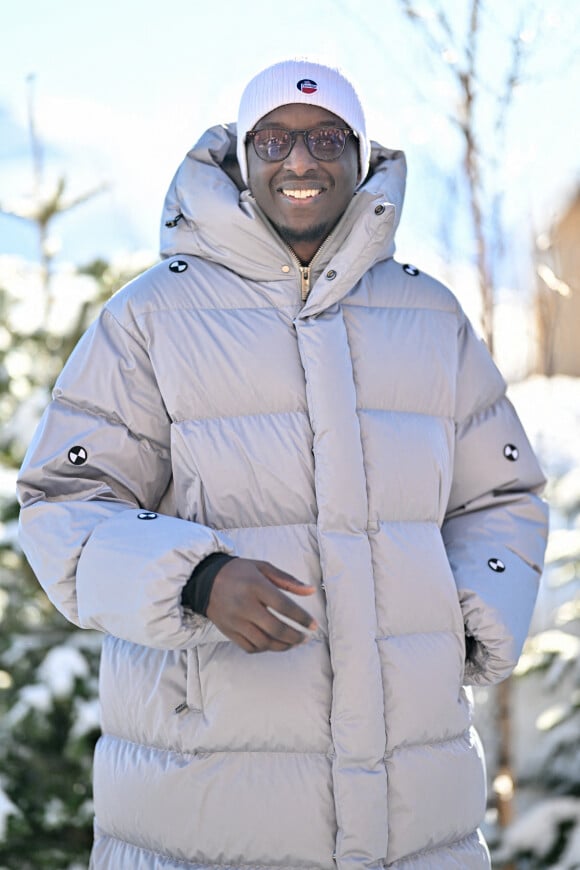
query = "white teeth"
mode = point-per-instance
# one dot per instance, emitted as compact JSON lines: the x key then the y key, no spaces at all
{"x":300,"y":194}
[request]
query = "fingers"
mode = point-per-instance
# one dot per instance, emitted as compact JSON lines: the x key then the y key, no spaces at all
{"x":285,"y":581}
{"x":252,"y":639}
{"x":269,"y":630}
{"x":247,"y":605}
{"x":282,"y":628}
{"x":286,"y":609}
{"x":256,"y":640}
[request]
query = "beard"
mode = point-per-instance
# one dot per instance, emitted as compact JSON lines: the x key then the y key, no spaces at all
{"x":307,"y":234}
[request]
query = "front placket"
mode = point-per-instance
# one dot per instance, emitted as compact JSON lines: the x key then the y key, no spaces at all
{"x":357,"y":714}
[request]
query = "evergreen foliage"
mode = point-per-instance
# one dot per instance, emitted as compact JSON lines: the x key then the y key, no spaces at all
{"x":48,"y":668}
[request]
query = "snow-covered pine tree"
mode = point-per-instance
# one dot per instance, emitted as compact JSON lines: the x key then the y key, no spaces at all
{"x":48,"y":668}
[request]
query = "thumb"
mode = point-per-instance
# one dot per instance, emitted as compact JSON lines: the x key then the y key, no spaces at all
{"x":285,"y":581}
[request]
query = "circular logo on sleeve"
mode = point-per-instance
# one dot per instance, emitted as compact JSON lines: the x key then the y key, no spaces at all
{"x":511,"y":452}
{"x":177,"y":266}
{"x":77,"y":455}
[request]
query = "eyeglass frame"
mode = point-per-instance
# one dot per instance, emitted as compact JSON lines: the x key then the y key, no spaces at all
{"x":251,"y":134}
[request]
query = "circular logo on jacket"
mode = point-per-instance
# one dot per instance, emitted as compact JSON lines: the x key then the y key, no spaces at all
{"x":147,"y":515}
{"x":496,"y":565}
{"x":77,"y":455}
{"x":511,"y":452}
{"x":410,"y":270}
{"x":307,"y":86}
{"x":177,"y":266}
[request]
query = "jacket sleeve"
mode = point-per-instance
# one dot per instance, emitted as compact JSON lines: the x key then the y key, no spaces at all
{"x":89,"y":488}
{"x":496,"y":525}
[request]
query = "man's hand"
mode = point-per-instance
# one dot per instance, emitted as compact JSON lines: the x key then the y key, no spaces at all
{"x":242,"y":593}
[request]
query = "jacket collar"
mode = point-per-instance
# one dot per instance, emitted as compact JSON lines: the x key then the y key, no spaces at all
{"x":225,"y":226}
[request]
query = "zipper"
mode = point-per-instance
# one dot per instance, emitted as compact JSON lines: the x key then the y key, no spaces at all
{"x":172,"y":222}
{"x":304,"y":282}
{"x":306,"y":270}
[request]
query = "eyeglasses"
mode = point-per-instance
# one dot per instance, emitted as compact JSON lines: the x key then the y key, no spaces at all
{"x":324,"y":143}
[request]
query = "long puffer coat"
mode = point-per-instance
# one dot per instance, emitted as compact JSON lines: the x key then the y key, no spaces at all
{"x":360,"y":440}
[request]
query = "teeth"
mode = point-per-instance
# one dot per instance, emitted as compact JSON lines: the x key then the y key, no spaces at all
{"x":301,"y":194}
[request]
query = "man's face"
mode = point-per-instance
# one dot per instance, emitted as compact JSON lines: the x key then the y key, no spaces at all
{"x":303,"y":197}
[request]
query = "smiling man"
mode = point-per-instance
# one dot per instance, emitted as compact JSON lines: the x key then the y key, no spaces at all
{"x":281,"y":441}
{"x":303,"y":171}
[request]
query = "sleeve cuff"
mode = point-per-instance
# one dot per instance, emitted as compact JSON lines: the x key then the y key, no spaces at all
{"x":197,"y":590}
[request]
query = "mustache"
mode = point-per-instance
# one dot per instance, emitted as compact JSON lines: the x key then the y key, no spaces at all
{"x":290,"y":179}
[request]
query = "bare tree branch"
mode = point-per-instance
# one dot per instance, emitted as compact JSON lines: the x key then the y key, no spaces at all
{"x":36,"y":148}
{"x":43,"y":207}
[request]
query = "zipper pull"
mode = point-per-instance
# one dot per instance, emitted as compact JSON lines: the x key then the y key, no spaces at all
{"x":175,"y":221}
{"x":304,"y":282}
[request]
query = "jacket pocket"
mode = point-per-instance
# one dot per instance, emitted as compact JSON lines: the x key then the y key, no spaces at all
{"x":193,"y":696}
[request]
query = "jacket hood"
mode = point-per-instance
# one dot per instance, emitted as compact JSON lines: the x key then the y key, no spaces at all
{"x":209,"y":213}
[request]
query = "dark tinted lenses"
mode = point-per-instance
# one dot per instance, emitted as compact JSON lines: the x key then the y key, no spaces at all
{"x":324,"y":143}
{"x":272,"y":144}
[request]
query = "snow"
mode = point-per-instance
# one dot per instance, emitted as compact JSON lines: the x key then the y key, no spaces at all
{"x":87,"y":717}
{"x":29,"y":298}
{"x":9,"y":534}
{"x":34,"y":697}
{"x":55,"y":813}
{"x":563,"y":544}
{"x":7,"y":808}
{"x":545,"y":720}
{"x":567,"y":491}
{"x":22,"y":425}
{"x":60,"y":668}
{"x":550,"y":411}
{"x":536,"y":832}
{"x":7,"y":483}
{"x":571,"y":858}
{"x":57,"y":674}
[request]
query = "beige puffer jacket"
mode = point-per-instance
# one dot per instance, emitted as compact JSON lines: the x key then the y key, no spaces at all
{"x":360,"y":440}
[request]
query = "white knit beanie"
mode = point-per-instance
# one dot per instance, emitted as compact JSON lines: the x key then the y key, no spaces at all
{"x":301,"y":81}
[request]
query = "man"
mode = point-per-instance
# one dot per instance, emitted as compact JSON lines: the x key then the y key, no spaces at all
{"x":281,"y":441}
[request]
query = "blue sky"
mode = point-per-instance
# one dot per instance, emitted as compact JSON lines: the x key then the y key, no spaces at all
{"x":122,"y":89}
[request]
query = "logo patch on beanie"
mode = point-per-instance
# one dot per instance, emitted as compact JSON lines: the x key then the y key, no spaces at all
{"x":307,"y":86}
